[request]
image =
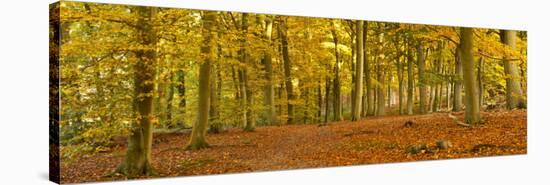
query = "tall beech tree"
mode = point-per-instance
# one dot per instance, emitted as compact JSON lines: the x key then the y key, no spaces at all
{"x":138,"y":155}
{"x":198,"y":134}
{"x":380,"y":75}
{"x":457,"y":95}
{"x":358,"y":73}
{"x":246,"y":93}
{"x":514,"y":94}
{"x":337,"y":103}
{"x":269,"y":91}
{"x":472,"y":114}
{"x":410,"y":79}
{"x":282,"y":30}
{"x":422,"y":83}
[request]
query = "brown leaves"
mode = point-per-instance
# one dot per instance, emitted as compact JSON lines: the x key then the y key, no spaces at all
{"x":369,"y":141}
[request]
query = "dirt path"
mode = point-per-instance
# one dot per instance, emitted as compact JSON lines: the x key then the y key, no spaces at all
{"x":374,"y":140}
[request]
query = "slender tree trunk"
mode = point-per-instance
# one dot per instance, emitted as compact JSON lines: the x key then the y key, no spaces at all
{"x":181,"y":92}
{"x":269,"y":92}
{"x":327,"y":99}
{"x":251,"y":122}
{"x":368,"y":79}
{"x":400,"y":92}
{"x":246,"y":93}
{"x":215,"y":125}
{"x":138,"y":155}
{"x":367,"y":95}
{"x":370,"y":94}
{"x":198,"y":139}
{"x":280,"y":106}
{"x":448,"y":87}
{"x":353,"y":71}
{"x":458,"y":79}
{"x":237,"y":83}
{"x":442,"y":86}
{"x":437,"y":86}
{"x":514,"y":94}
{"x":380,"y":93}
{"x":358,"y":73}
{"x":472,"y":115}
{"x":421,"y":78}
{"x":287,"y":67}
{"x":388,"y":71}
{"x":243,"y":97}
{"x":169,"y":99}
{"x":319,"y":101}
{"x":337,"y":97}
{"x":410,"y":80}
{"x":480,"y":82}
{"x":159,"y":88}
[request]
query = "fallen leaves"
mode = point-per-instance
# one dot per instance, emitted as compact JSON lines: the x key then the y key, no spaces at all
{"x":369,"y":141}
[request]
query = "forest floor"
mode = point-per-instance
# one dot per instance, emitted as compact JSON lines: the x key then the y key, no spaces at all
{"x":373,"y":140}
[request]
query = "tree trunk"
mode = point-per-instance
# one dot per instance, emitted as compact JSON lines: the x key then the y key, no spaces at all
{"x":410,"y":80}
{"x":472,"y":115}
{"x":353,"y":69}
{"x":514,"y":94}
{"x":246,"y":93}
{"x":269,"y":92}
{"x":198,"y":139}
{"x":169,"y":99}
{"x":287,"y":67}
{"x":358,"y":73}
{"x":138,"y":155}
{"x":337,"y":104}
{"x":319,"y":101}
{"x":421,"y":79}
{"x":400,"y":92}
{"x":381,"y":107}
{"x":448,"y":88}
{"x":242,"y":95}
{"x":458,"y":79}
{"x":480,"y":81}
{"x":368,"y":82}
{"x":327,"y":95}
{"x":366,"y":93}
{"x":437,"y":86}
{"x":181,"y":92}
{"x":214,"y":122}
{"x":388,"y":83}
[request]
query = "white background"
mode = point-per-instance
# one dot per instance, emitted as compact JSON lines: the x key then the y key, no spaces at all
{"x":24,"y":91}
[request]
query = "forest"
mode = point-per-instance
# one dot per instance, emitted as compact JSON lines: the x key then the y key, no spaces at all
{"x":158,"y":92}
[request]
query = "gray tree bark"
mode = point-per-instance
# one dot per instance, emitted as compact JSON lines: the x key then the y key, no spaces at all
{"x":269,"y":92}
{"x":410,"y":80}
{"x":198,"y":134}
{"x":514,"y":94}
{"x":282,"y":30}
{"x":358,"y":73}
{"x":472,"y":115}
{"x":138,"y":155}
{"x":337,"y":104}
{"x":458,"y":80}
